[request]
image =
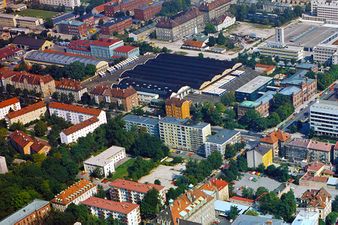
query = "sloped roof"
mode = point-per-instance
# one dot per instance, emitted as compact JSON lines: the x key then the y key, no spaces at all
{"x":75,"y":108}
{"x":32,"y":43}
{"x":8,"y":102}
{"x":134,"y":186}
{"x":179,"y":19}
{"x":27,"y":109}
{"x":120,"y":207}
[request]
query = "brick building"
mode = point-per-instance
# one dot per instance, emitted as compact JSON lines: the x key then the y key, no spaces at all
{"x":116,"y":25}
{"x":124,"y":5}
{"x":72,"y":27}
{"x":214,"y":9}
{"x":88,"y":19}
{"x":147,"y":12}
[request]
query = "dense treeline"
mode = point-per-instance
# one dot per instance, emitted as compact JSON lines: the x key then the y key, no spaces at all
{"x":171,"y":8}
{"x":324,"y":80}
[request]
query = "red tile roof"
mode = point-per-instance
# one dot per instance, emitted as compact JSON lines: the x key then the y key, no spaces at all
{"x":266,"y":67}
{"x":74,"y":108}
{"x":134,"y":186}
{"x":22,"y":76}
{"x":113,"y":92}
{"x":315,"y":166}
{"x":80,"y":126}
{"x":179,"y":19}
{"x":192,"y":43}
{"x":320,"y":146}
{"x":276,"y":136}
{"x":219,"y":183}
{"x":26,"y":109}
{"x":8,"y":51}
{"x":68,"y":84}
{"x":175,"y":101}
{"x":22,"y":139}
{"x":120,"y":207}
{"x":207,"y":6}
{"x":124,"y":49}
{"x":8,"y":102}
{"x":241,"y":199}
{"x":316,"y":198}
{"x":105,"y":42}
{"x":72,"y":192}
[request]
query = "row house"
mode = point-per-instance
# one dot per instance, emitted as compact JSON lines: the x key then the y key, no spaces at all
{"x":27,"y":145}
{"x":76,"y":193}
{"x":12,"y":104}
{"x":70,"y":86}
{"x":27,"y":114}
{"x":131,"y":191}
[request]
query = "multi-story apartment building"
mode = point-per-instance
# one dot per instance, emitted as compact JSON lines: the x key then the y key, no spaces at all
{"x":118,"y":25}
{"x":178,"y":108}
{"x":33,"y":213}
{"x":88,"y":19}
{"x":317,"y":200}
{"x":184,"y":134}
{"x":70,"y":87}
{"x":27,"y":114}
{"x":147,"y":124}
{"x":125,"y":212}
{"x":125,"y":5}
{"x":261,"y":154}
{"x":218,"y":188}
{"x":72,"y":27}
{"x":324,"y":118}
{"x":275,"y":140}
{"x":131,"y":191}
{"x":76,"y":193}
{"x":325,"y":10}
{"x":182,"y":25}
{"x":27,"y":145}
{"x":147,"y":12}
{"x":106,"y":161}
{"x":126,"y":98}
{"x":220,"y":140}
{"x":85,"y":120}
{"x":12,"y":104}
{"x":214,"y":9}
{"x":68,"y":3}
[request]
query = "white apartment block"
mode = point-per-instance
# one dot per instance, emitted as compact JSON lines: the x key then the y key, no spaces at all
{"x":324,"y":118}
{"x":76,"y":193}
{"x":106,"y":161}
{"x":325,"y":10}
{"x":8,"y":105}
{"x":287,"y":52}
{"x":67,"y":3}
{"x":183,"y":134}
{"x":127,"y":213}
{"x":221,"y":140}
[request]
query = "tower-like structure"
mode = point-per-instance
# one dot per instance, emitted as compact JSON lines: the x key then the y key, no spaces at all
{"x":279,"y":35}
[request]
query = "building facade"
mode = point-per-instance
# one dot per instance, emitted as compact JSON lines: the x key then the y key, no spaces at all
{"x":220,"y":140}
{"x":27,"y":114}
{"x":178,"y":108}
{"x":260,"y":155}
{"x":317,"y":200}
{"x":70,"y":87}
{"x":68,"y":3}
{"x":118,"y":25}
{"x":147,"y":124}
{"x":147,"y":12}
{"x":324,"y":118}
{"x":12,"y":104}
{"x":72,"y":27}
{"x":27,"y":145}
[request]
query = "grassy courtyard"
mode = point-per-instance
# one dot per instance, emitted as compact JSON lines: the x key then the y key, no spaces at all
{"x":122,"y":170}
{"x":37,"y":13}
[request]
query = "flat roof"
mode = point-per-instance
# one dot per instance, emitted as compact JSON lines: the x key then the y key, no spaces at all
{"x":25,"y":211}
{"x":306,"y":218}
{"x":184,"y":122}
{"x":222,"y":136}
{"x":250,"y":220}
{"x":104,"y":157}
{"x":225,"y":207}
{"x":254,"y":84}
{"x":141,"y":119}
{"x":290,"y":90}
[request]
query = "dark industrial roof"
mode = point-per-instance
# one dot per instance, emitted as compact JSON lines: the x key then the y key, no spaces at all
{"x":167,"y":73}
{"x":32,"y":42}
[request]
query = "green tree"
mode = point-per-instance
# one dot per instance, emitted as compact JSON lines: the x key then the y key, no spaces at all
{"x":221,"y":39}
{"x":151,"y":204}
{"x":260,"y":191}
{"x":252,"y":213}
{"x":40,"y":128}
{"x":200,"y":55}
{"x":3,"y":135}
{"x":90,"y":70}
{"x":335,"y":204}
{"x":331,"y":218}
{"x":17,"y":126}
{"x":210,"y":29}
{"x":228,"y":98}
{"x":157,"y":181}
{"x":233,"y":213}
{"x":248,"y":192}
{"x":212,"y":41}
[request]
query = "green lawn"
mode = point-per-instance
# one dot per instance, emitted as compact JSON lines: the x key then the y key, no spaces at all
{"x":122,"y":170}
{"x":37,"y":13}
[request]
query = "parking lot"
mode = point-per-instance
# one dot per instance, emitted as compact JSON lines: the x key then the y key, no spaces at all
{"x":165,"y":174}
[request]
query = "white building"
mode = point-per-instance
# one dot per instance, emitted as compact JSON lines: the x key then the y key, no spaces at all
{"x":225,"y":22}
{"x":220,"y":140}
{"x":126,"y":212}
{"x":148,"y":124}
{"x":76,"y":193}
{"x":327,"y":50}
{"x":85,"y":120}
{"x":145,"y":97}
{"x":306,"y":217}
{"x":324,"y":118}
{"x":12,"y":104}
{"x":184,"y":134}
{"x":107,"y":161}
{"x":325,"y":10}
{"x":67,"y":3}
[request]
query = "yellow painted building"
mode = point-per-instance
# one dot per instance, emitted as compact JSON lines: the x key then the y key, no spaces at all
{"x":262,"y":154}
{"x":178,"y":108}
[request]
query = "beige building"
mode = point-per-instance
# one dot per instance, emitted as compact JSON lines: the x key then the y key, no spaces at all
{"x":70,"y":86}
{"x":29,"y":22}
{"x":218,"y":188}
{"x":8,"y":20}
{"x":27,"y":114}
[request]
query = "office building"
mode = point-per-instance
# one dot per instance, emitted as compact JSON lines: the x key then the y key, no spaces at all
{"x":125,"y":212}
{"x":88,"y":19}
{"x":220,"y":140}
{"x":70,"y":87}
{"x":324,"y":118}
{"x":29,"y":22}
{"x":32,"y":213}
{"x":147,"y":124}
{"x":126,"y":51}
{"x":67,"y":3}
{"x":27,"y":145}
{"x":261,"y":154}
{"x":8,"y":20}
{"x":214,"y":8}
{"x":324,"y":10}
{"x":118,"y":25}
{"x":12,"y":104}
{"x":184,"y":134}
{"x":295,"y":94}
{"x":76,"y":193}
{"x":326,"y":50}
{"x":27,"y":114}
{"x":178,"y":108}
{"x":131,"y":191}
{"x":125,"y":5}
{"x":317,"y":200}
{"x":72,"y":27}
{"x":106,"y":161}
{"x":250,"y":91}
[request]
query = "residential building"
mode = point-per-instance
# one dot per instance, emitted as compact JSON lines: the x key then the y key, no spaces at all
{"x":217,"y":188}
{"x":125,"y":5}
{"x":335,"y":151}
{"x":68,"y":3}
{"x":220,"y":140}
{"x":85,"y":120}
{"x":324,"y":118}
{"x":29,"y":22}
{"x":260,"y":105}
{"x":306,"y":217}
{"x":319,"y":151}
{"x":118,"y":25}
{"x":249,"y":220}
{"x":250,"y":91}
{"x":106,"y":161}
{"x":317,"y":175}
{"x":148,"y":124}
{"x":3,"y":165}
{"x":131,"y":191}
{"x":182,"y":25}
{"x":27,"y":114}
{"x":184,"y":134}
{"x":9,"y":52}
{"x":72,"y":27}
{"x":43,"y":84}
{"x":27,"y":145}
{"x":32,"y":213}
{"x":125,"y":98}
{"x":30,"y":43}
{"x":178,"y":108}
{"x":125,"y":212}
{"x":275,"y":140}
{"x":261,"y":154}
{"x":224,"y":21}
{"x":317,"y":200}
{"x":146,"y":98}
{"x":194,"y":206}
{"x":76,"y":193}
{"x":11,"y":104}
{"x":88,"y":19}
{"x":147,"y":12}
{"x":70,"y":87}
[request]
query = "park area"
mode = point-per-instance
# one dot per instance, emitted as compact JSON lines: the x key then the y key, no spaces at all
{"x":38,"y":13}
